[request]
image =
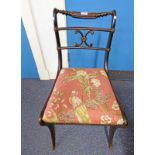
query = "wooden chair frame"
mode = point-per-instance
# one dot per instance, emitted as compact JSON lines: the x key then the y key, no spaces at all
{"x":91,"y":30}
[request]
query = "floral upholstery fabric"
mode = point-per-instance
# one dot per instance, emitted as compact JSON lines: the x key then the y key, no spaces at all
{"x":83,"y":96}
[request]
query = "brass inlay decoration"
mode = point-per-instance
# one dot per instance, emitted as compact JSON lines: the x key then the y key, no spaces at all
{"x":83,"y":38}
{"x":108,"y":49}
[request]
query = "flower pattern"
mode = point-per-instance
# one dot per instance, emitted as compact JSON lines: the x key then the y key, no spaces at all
{"x":115,"y":105}
{"x":95,"y":82}
{"x":105,"y":119}
{"x":120,"y":121}
{"x":83,"y":96}
{"x":81,"y":73}
{"x":62,"y":71}
{"x":103,"y":73}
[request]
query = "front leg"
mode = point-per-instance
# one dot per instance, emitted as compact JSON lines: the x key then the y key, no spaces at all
{"x":52,"y":132}
{"x":111,"y":135}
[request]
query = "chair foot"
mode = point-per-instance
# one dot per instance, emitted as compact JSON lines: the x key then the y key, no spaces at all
{"x":111,"y":135}
{"x":110,"y":147}
{"x":52,"y":132}
{"x":53,"y":147}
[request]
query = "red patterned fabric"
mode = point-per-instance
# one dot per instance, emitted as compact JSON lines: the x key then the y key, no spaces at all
{"x":83,"y":96}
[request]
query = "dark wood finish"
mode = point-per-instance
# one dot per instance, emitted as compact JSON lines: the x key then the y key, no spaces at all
{"x":58,"y":41}
{"x":52,"y":132}
{"x":109,"y":41}
{"x":78,"y":46}
{"x":84,"y":28}
{"x":84,"y":15}
{"x":120,"y":126}
{"x":83,"y":48}
{"x":112,"y":130}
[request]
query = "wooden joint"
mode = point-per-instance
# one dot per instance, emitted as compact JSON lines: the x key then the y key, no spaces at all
{"x":107,"y":49}
{"x":41,"y":121}
{"x":113,"y":13}
{"x":112,"y":30}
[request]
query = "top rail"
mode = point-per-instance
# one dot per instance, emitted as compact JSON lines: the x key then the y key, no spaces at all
{"x":84,"y":15}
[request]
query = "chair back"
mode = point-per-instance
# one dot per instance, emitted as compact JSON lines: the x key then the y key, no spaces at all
{"x":83,"y":44}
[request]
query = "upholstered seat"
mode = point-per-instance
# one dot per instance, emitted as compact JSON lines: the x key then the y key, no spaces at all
{"x":83,"y":96}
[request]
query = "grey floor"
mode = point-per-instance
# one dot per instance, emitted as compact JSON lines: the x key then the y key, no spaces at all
{"x":73,"y":140}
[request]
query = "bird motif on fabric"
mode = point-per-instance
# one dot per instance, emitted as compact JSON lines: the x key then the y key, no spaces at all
{"x":80,"y":110}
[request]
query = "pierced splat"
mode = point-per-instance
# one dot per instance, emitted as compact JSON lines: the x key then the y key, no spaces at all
{"x":84,"y":38}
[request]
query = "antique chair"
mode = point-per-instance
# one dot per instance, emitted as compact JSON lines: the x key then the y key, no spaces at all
{"x":83,"y":96}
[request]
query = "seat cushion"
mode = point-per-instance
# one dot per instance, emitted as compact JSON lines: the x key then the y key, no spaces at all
{"x":83,"y":96}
